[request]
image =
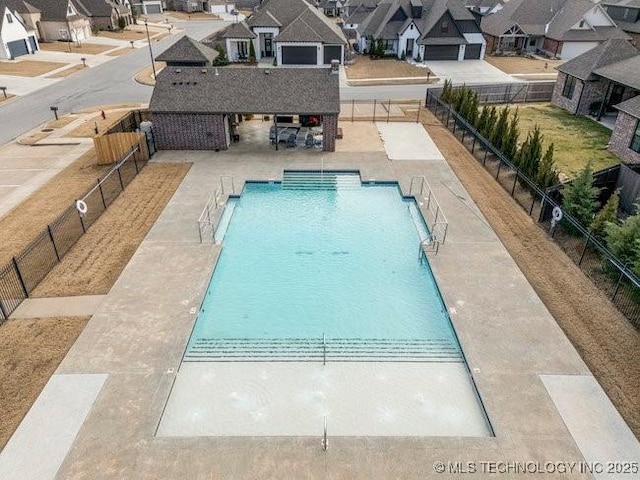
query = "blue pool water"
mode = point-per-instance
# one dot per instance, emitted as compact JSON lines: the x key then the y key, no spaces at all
{"x":344,"y":263}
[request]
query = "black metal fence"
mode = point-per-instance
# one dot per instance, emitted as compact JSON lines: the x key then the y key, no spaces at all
{"x":519,"y":92}
{"x":595,"y":260}
{"x":130,"y":122}
{"x":380,"y":110}
{"x":22,"y":274}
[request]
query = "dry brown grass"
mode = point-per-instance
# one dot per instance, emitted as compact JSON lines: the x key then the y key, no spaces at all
{"x":145,"y":76}
{"x":24,"y":222}
{"x":120,"y":51}
{"x":523,"y":64}
{"x":28,"y":68}
{"x":3,"y":99}
{"x":607,"y":342}
{"x":33,"y":138}
{"x":67,"y":71}
{"x":86,"y":48}
{"x":114,"y":106}
{"x":94,"y":264}
{"x":124,"y":35}
{"x":61,"y":122}
{"x":190,"y":16}
{"x":30,"y":352}
{"x":87,"y":127}
{"x":383,"y":68}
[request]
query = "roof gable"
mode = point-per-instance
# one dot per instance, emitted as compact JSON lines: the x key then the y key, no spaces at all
{"x":186,"y":49}
{"x":611,"y":51}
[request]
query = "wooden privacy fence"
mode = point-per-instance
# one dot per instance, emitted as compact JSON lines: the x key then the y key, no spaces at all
{"x":113,"y":146}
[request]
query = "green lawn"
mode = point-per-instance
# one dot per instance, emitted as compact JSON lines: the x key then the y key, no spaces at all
{"x":576,"y":139}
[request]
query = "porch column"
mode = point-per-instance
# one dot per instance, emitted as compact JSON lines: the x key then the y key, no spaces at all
{"x":329,"y":132}
{"x":603,"y":103}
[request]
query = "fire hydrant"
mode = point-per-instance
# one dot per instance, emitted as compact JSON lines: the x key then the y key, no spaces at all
{"x":104,"y":115}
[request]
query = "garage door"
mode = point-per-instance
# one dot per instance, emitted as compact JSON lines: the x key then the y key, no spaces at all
{"x":34,"y":45}
{"x":441,"y":52}
{"x":153,"y":9}
{"x":17,"y":48}
{"x":332,"y":53}
{"x":473,"y":51}
{"x":299,"y":56}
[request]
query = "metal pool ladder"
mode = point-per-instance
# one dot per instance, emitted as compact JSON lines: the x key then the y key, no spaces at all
{"x":435,"y":218}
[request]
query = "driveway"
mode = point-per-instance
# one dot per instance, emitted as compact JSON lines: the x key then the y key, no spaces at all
{"x":469,"y":72}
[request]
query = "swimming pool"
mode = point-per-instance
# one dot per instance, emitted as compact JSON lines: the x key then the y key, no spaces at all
{"x":322,"y":262}
{"x":320,"y":310}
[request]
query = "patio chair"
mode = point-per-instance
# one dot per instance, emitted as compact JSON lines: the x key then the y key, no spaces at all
{"x":291,"y":141}
{"x":308,"y":141}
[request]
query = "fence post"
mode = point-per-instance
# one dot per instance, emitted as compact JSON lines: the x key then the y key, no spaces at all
{"x":3,"y":312}
{"x":104,"y":204}
{"x":20,"y":277}
{"x":533,"y":204}
{"x":515,"y":180}
{"x":486,"y":152}
{"x":615,"y":293}
{"x":135,"y":161}
{"x":526,"y":92}
{"x":120,"y":178}
{"x":374,"y":110}
{"x":584,"y":250}
{"x":84,"y":229}
{"x":448,"y":113}
{"x":464,"y":132}
{"x":353,"y":107}
{"x":53,"y":242}
{"x":499,"y":167}
{"x":389,"y":111}
{"x":473,"y":146}
{"x":419,"y":108}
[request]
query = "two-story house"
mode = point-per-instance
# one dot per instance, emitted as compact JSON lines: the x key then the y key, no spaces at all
{"x":558,"y":28}
{"x":56,"y":20}
{"x":16,"y":37}
{"x":423,"y":30}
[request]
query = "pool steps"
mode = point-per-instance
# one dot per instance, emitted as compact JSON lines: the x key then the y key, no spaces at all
{"x":313,"y":350}
{"x":317,"y":180}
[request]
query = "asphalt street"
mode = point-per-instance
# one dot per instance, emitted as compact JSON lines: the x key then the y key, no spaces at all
{"x":113,"y":82}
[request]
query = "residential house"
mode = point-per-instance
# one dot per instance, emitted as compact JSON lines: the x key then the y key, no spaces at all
{"x":351,"y":5}
{"x":626,"y":14}
{"x":625,"y":139}
{"x":331,"y":8}
{"x":583,"y":82}
{"x":147,"y":7}
{"x":187,"y":52}
{"x":484,"y":7}
{"x":105,"y":14}
{"x":354,"y":16}
{"x":558,"y":28}
{"x":291,"y":32}
{"x":57,"y":20}
{"x":16,"y":36}
{"x":423,"y":30}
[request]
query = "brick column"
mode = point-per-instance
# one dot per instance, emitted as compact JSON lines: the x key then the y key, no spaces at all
{"x":329,"y":132}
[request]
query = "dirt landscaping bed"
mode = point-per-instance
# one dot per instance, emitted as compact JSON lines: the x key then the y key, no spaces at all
{"x":94,"y":264}
{"x":604,"y":338}
{"x":72,"y":47}
{"x":182,"y":16}
{"x":87,"y":128}
{"x":67,"y":71}
{"x":576,"y":138}
{"x":518,"y":64}
{"x":8,"y":97}
{"x":364,"y":67}
{"x":124,"y":35}
{"x":30,"y":352}
{"x":24,"y":222}
{"x":28,"y":68}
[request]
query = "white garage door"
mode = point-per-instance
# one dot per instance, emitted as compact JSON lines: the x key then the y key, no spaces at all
{"x":573,"y":49}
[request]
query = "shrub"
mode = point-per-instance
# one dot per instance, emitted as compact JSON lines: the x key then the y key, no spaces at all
{"x":510,"y":141}
{"x":221,"y":60}
{"x":252,"y":52}
{"x":547,"y":174}
{"x":492,"y":117}
{"x":580,"y":197}
{"x":122,"y":23}
{"x":500,"y":131}
{"x":623,"y":240}
{"x":530,"y":154}
{"x":403,"y":56}
{"x":481,"y":121}
{"x":608,"y":214}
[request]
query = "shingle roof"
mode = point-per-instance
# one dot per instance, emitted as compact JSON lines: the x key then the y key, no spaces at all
{"x":623,"y":3}
{"x":286,"y":12}
{"x":358,"y":15}
{"x":298,"y":31}
{"x":53,"y":9}
{"x":237,"y":30}
{"x":625,"y":72}
{"x":631,"y":106}
{"x":14,"y":6}
{"x":186,"y":49}
{"x":224,"y":90}
{"x":633,"y":27}
{"x":95,"y":8}
{"x":379,"y":23}
{"x":608,"y":52}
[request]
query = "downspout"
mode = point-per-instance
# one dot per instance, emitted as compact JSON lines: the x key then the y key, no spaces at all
{"x":604,"y":100}
{"x":584,"y":84}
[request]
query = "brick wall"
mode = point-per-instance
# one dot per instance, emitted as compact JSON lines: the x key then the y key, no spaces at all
{"x":585,"y":92}
{"x":189,"y":131}
{"x":492,"y":43}
{"x":329,"y":132}
{"x":553,"y":47}
{"x":621,"y":138}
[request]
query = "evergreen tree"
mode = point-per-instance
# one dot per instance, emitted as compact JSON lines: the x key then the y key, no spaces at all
{"x":472,"y":112}
{"x":510,"y":142}
{"x":221,"y":60}
{"x":547,"y":174}
{"x":622,"y":239}
{"x":580,"y":197}
{"x":529,"y":161}
{"x":461,"y":93}
{"x":252,"y":52}
{"x":636,"y":266}
{"x":500,"y":131}
{"x":481,"y":121}
{"x":608,"y":214}
{"x":492,"y":117}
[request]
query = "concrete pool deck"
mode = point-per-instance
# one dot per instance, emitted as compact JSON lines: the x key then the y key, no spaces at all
{"x":138,"y":335}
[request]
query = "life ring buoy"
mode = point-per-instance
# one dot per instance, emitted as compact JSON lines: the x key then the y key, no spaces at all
{"x":557,"y":214}
{"x":81,"y":206}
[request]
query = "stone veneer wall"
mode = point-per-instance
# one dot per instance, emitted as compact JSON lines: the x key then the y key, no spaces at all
{"x":329,"y":132}
{"x":585,"y":92}
{"x":189,"y":131}
{"x":621,"y":138}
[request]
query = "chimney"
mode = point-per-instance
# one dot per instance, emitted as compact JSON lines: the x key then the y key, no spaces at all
{"x":335,"y":67}
{"x":416,"y":8}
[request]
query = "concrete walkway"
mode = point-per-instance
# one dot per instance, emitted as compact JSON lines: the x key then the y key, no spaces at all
{"x":80,"y":306}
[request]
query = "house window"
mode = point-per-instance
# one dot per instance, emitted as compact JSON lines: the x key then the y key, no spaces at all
{"x":635,"y":139}
{"x":569,"y":86}
{"x":70,"y":10}
{"x":581,"y":23}
{"x":444,"y":26}
{"x":9,"y":18}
